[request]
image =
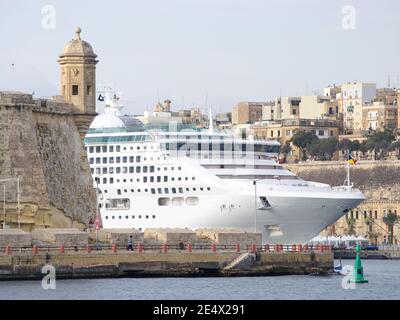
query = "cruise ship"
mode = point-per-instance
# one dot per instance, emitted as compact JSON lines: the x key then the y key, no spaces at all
{"x":167,"y":174}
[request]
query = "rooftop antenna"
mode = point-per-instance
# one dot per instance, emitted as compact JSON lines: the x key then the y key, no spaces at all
{"x":211,"y":124}
{"x":388,"y":81}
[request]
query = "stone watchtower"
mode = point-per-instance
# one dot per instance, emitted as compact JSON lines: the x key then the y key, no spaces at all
{"x":78,"y":80}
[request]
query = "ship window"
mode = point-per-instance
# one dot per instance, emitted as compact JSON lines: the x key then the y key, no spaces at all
{"x":173,"y":190}
{"x":118,"y":159}
{"x":131,"y":159}
{"x":145,"y":169}
{"x":165,"y":178}
{"x":208,"y":188}
{"x":180,"y":190}
{"x":91,"y":149}
{"x":104,"y":148}
{"x":91,"y":160}
{"x":166,"y":190}
{"x":104,"y":170}
{"x":131,"y":169}
{"x":163,"y":202}
{"x":154,"y":217}
{"x":159,"y":190}
{"x":179,"y":179}
{"x":106,"y":217}
{"x":140,"y":217}
{"x":111,"y":159}
{"x":118,"y":169}
{"x":158,"y":179}
{"x":118,"y":204}
{"x":178,"y":201}
{"x":138,"y":190}
{"x":147,"y":217}
{"x":113,"y":217}
{"x":153,"y":191}
{"x":97,"y":170}
{"x":124,"y":159}
{"x":105,"y":160}
{"x":194,"y":189}
{"x":98,"y":160}
{"x":138,"y":169}
{"x":124,"y":170}
{"x":187,"y":189}
{"x":193,"y":178}
{"x":151,"y":179}
{"x":151,"y":169}
{"x":75,"y":90}
{"x":179,"y":168}
{"x":118,"y":148}
{"x":126,"y":217}
{"x":111,"y":180}
{"x":145,"y":179}
{"x":119,"y":191}
{"x":133,"y":217}
{"x":138,"y":159}
{"x":111,"y":170}
{"x":98,"y":149}
{"x":172,"y":179}
{"x":201,"y":189}
{"x":192,"y":201}
{"x":111,"y":148}
{"x":132,"y":190}
{"x":104,"y":180}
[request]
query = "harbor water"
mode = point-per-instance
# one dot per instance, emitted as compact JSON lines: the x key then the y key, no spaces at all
{"x":383,"y":277}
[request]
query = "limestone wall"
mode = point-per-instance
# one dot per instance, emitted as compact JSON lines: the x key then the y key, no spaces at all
{"x":40,"y":144}
{"x":377,"y":179}
{"x":67,"y":237}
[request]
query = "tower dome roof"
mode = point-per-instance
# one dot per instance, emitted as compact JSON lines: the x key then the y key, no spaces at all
{"x":78,"y":47}
{"x":107,"y":120}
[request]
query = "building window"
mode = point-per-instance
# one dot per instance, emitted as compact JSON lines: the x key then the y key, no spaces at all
{"x":89,"y":90}
{"x":75,"y":90}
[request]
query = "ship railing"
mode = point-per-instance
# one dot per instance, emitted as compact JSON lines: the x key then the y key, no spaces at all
{"x":93,"y":248}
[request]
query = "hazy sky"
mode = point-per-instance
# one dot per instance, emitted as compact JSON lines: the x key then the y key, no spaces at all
{"x":183,"y":50}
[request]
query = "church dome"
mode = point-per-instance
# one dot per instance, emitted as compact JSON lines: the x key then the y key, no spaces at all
{"x":107,"y":120}
{"x":78,"y":47}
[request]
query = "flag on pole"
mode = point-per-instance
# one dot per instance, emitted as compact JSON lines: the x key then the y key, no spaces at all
{"x":351,"y":160}
{"x":100,"y":98}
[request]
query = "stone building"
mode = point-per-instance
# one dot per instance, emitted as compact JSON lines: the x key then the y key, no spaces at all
{"x":247,"y":112}
{"x":283,"y":131}
{"x":368,"y":221}
{"x":41,"y":148}
{"x":379,"y":116}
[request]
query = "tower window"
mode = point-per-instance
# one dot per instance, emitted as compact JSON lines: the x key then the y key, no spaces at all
{"x":75,"y":90}
{"x":89,"y":90}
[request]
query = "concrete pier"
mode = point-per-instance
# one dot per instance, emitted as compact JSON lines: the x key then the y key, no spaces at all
{"x":174,"y":263}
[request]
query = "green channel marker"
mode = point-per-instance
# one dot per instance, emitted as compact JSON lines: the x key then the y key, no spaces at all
{"x":358,"y":271}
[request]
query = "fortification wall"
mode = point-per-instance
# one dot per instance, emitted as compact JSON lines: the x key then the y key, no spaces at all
{"x":40,"y":144}
{"x":379,"y":180}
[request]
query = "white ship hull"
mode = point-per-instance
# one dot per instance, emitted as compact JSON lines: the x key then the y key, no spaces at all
{"x":192,"y":179}
{"x":299,"y":215}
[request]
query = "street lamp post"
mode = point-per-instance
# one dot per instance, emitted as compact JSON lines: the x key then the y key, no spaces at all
{"x":4,"y":205}
{"x":18,"y":199}
{"x":97,"y":209}
{"x":255,"y":204}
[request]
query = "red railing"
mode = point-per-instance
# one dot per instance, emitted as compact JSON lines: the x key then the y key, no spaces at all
{"x":164,"y":248}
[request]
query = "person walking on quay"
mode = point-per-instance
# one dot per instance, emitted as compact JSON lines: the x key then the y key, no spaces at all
{"x":130,"y":243}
